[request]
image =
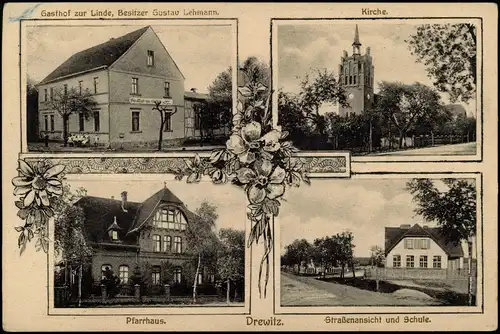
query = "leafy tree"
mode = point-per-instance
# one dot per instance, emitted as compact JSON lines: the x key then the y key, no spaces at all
{"x":345,"y":250}
{"x":449,"y":52}
{"x":32,"y":121}
{"x":166,"y":113}
{"x":216,"y":113}
{"x":317,"y":89}
{"x":69,"y":103}
{"x":299,"y":252}
{"x":377,"y":256}
{"x":325,"y":252}
{"x":405,"y":105}
{"x":454,"y":211}
{"x":231,"y":257}
{"x":221,"y":90}
{"x":69,"y":233}
{"x":200,"y":237}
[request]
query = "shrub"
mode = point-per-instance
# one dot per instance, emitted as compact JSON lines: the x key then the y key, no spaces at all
{"x":112,"y":283}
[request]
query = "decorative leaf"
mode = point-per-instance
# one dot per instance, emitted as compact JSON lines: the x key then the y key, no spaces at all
{"x":271,"y":206}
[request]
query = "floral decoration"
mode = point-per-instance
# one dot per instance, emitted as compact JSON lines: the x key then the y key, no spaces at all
{"x":39,"y":186}
{"x":257,"y":160}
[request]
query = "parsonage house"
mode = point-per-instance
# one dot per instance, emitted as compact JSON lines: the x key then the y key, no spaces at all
{"x":126,"y":235}
{"x":420,"y":251}
{"x":124,"y":75}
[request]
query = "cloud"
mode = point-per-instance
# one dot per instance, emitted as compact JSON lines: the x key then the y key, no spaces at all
{"x":201,"y":52}
{"x":363,"y":206}
{"x":305,"y":46}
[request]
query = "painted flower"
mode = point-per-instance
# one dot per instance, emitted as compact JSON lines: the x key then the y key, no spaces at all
{"x":248,"y":142}
{"x":37,"y":183}
{"x":265,"y":181}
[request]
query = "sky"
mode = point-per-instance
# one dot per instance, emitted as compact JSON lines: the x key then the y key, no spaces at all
{"x":230,"y":200}
{"x":363,"y":206}
{"x":302,"y":47}
{"x":201,"y":52}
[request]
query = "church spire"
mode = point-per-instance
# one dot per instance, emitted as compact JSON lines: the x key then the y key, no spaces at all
{"x":356,"y":37}
{"x":356,"y":44}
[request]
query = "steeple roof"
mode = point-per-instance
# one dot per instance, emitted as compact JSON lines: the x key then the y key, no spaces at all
{"x":356,"y":37}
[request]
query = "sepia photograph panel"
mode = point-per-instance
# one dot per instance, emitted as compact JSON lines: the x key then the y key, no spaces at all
{"x":147,"y":243}
{"x":382,"y":242}
{"x":128,"y":87}
{"x":391,"y":88}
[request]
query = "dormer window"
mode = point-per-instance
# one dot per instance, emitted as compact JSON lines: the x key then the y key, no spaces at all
{"x":113,"y":230}
{"x":170,"y":218}
{"x":151,"y":58}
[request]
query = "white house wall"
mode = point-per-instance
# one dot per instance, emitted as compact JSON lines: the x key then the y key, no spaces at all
{"x":434,"y":250}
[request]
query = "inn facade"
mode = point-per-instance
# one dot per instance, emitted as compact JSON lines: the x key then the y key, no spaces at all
{"x":124,"y":75}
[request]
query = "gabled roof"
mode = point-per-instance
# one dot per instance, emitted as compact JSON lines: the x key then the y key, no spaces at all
{"x":195,"y":96}
{"x":98,"y":56}
{"x":99,"y":217}
{"x":394,"y":235}
{"x":148,"y":207}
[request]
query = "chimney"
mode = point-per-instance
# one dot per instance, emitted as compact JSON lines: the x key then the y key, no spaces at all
{"x":368,"y":50}
{"x":112,"y":197}
{"x":124,"y":200}
{"x":405,"y":226}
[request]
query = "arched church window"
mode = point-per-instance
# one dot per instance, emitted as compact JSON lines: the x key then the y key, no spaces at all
{"x":171,"y":218}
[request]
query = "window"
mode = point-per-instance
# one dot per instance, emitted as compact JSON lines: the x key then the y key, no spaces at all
{"x":104,"y":268}
{"x":177,"y":275}
{"x":135,"y":86}
{"x":170,"y":218}
{"x":135,"y":121}
{"x":177,"y":245}
{"x":51,"y":122}
{"x":200,"y":278}
{"x":423,"y":261}
{"x":167,"y":89}
{"x":396,"y":261}
{"x":350,"y":79}
{"x":211,"y":278}
{"x":97,"y":122}
{"x":151,"y":58}
{"x":167,"y":243}
{"x":96,"y":85}
{"x":155,"y":275}
{"x":81,"y":122}
{"x":123,"y":272}
{"x":65,"y":89}
{"x":408,"y":243}
{"x":45,"y":95}
{"x":346,"y":80}
{"x":354,"y":79}
{"x":436,"y":261}
{"x":80,"y":85}
{"x":410,"y":261}
{"x":114,"y":235}
{"x":417,"y":243}
{"x":46,"y":120}
{"x":156,"y":243}
{"x":51,"y":93}
{"x":168,"y":123}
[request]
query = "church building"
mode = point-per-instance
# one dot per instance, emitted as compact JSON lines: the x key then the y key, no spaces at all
{"x":356,"y":75}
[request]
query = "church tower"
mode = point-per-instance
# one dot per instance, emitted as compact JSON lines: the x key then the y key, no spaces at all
{"x":356,"y":75}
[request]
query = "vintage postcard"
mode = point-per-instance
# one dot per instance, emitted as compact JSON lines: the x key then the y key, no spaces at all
{"x":250,"y":167}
